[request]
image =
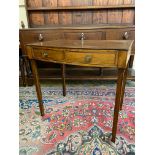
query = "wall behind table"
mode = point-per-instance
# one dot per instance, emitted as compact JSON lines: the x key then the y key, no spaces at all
{"x":22,"y":14}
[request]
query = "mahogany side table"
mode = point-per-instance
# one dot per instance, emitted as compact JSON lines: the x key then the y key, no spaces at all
{"x":92,"y":53}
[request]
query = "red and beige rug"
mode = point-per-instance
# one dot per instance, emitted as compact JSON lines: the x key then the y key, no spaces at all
{"x":78,"y":124}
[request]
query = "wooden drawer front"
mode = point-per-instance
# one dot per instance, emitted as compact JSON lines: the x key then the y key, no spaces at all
{"x":48,"y":54}
{"x":121,"y":35}
{"x":87,"y":35}
{"x":36,"y":36}
{"x":108,"y":58}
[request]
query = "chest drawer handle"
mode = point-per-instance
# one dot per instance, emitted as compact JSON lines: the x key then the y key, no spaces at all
{"x":45,"y":54}
{"x":88,"y":58}
{"x":40,"y":37}
{"x":82,"y":36}
{"x":126,"y":35}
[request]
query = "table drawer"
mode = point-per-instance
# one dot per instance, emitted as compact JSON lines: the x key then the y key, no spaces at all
{"x":98,"y":58}
{"x":48,"y":54}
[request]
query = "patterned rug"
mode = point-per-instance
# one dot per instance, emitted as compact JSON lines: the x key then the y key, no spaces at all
{"x":78,"y":124}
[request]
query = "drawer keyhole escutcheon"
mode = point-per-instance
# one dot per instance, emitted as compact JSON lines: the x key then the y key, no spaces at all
{"x":88,"y":58}
{"x":45,"y":54}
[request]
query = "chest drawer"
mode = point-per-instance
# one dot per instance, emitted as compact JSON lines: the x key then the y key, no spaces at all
{"x":127,"y":34}
{"x":36,"y":36}
{"x":99,"y":58}
{"x":48,"y":54}
{"x":86,"y":35}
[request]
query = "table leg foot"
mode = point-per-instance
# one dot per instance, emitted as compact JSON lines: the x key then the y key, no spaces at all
{"x":42,"y":114}
{"x":41,"y":109}
{"x":64,"y":93}
{"x":113,"y":139}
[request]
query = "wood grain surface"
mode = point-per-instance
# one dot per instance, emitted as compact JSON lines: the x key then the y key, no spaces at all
{"x":43,"y":16}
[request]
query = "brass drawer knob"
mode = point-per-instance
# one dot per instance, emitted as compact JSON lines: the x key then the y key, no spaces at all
{"x":88,"y":58}
{"x":45,"y":54}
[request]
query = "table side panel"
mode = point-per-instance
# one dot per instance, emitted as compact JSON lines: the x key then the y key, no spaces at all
{"x":123,"y":58}
{"x":29,"y":52}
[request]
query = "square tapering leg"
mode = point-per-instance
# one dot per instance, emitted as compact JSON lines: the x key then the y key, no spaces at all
{"x":117,"y":103}
{"x":123,"y":87}
{"x":63,"y":79}
{"x":37,"y":84}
